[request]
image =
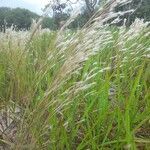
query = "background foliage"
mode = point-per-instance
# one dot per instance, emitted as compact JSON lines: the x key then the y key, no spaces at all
{"x":22,"y":18}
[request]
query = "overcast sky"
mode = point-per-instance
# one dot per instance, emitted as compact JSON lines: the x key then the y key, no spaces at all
{"x":33,"y":5}
{"x":38,"y":3}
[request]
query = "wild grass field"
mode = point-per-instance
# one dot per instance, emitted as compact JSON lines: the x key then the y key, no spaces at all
{"x":86,"y":90}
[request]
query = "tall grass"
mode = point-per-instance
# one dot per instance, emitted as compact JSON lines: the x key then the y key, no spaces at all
{"x":76,"y":90}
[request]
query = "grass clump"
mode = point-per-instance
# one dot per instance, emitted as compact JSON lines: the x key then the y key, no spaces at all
{"x":82,"y":90}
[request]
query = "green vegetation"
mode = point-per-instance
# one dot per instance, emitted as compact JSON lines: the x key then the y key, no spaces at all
{"x":76,"y":90}
{"x":19,"y":18}
{"x":141,"y":7}
{"x":22,"y":18}
{"x":84,"y":90}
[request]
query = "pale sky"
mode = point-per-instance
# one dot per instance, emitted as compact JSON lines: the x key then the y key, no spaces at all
{"x":42,"y":3}
{"x":39,"y":3}
{"x":33,"y":5}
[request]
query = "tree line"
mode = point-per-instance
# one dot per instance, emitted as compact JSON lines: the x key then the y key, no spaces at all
{"x":21,"y":19}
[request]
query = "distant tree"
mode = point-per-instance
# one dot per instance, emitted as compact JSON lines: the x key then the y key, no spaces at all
{"x":19,"y":18}
{"x":81,"y":19}
{"x":90,"y":5}
{"x":49,"y":23}
{"x":4,"y":11}
{"x":141,"y":10}
{"x":59,"y":12}
{"x":141,"y":7}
